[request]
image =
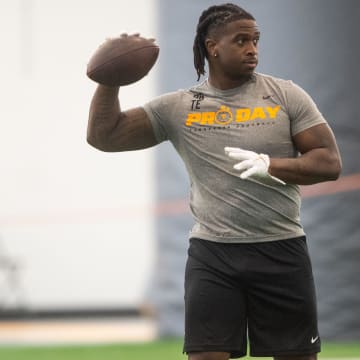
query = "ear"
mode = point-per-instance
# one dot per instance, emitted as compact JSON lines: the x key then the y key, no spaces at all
{"x":211,"y":48}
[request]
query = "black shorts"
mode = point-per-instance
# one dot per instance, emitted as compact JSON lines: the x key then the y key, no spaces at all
{"x":261,"y":292}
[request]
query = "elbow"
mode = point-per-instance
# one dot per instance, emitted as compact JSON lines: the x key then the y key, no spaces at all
{"x":98,"y":140}
{"x":96,"y":144}
{"x":105,"y":145}
{"x":336,"y":168}
{"x":337,"y":171}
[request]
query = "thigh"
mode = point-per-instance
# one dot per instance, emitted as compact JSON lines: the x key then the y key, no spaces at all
{"x":282,"y":301}
{"x":215,"y":309}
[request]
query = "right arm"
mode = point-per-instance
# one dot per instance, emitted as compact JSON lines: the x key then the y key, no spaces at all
{"x":111,"y":130}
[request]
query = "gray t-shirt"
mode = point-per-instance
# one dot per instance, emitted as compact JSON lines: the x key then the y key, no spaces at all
{"x":262,"y":115}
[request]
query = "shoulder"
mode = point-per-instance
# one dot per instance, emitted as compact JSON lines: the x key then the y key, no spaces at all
{"x":171,"y":101}
{"x":176,"y":96}
{"x":273,"y":81}
{"x":285,"y":89}
{"x":169,"y":104}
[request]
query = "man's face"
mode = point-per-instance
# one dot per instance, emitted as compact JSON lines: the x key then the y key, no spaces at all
{"x":236,"y":46}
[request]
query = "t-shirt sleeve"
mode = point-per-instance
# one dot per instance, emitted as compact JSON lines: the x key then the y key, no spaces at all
{"x":302,"y":109}
{"x":159,"y":111}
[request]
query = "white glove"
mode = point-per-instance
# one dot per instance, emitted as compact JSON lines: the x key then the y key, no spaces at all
{"x":251,"y":163}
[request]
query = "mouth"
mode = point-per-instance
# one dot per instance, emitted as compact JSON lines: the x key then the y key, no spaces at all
{"x":251,"y":63}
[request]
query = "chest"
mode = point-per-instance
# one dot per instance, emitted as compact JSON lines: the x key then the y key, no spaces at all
{"x":209,"y":125}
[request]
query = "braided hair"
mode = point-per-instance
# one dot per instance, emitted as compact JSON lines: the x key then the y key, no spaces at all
{"x":214,"y":17}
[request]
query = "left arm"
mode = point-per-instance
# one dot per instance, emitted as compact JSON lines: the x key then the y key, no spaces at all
{"x":319,"y":161}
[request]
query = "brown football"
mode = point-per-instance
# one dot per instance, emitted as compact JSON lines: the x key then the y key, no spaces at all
{"x":123,"y":60}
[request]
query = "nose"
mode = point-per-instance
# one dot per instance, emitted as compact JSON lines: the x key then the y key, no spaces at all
{"x":251,"y":49}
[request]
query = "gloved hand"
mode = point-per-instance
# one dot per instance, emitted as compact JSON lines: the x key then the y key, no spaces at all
{"x":251,"y":163}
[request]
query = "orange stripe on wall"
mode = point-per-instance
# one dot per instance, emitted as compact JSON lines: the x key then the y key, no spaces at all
{"x":164,"y":208}
{"x":343,"y":184}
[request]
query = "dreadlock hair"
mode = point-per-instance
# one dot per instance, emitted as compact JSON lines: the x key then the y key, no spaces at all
{"x":212,"y":18}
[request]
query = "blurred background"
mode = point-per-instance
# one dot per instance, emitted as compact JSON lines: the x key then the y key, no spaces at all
{"x":90,"y":235}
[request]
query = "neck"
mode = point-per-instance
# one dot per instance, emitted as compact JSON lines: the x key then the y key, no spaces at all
{"x":226,"y":84}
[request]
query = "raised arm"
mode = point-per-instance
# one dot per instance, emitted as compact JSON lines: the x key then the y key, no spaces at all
{"x":111,"y":130}
{"x":319,"y":161}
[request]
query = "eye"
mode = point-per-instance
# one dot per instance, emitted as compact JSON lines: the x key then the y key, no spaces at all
{"x":241,"y":42}
{"x":256,"y":41}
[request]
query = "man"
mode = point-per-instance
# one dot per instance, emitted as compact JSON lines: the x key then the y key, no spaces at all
{"x":247,"y":140}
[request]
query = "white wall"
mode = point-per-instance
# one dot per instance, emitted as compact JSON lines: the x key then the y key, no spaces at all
{"x":79,"y":221}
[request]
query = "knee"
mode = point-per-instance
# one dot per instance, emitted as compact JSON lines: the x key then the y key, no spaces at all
{"x":213,"y":355}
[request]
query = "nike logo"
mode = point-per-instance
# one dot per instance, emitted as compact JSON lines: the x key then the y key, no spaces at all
{"x":313,"y":340}
{"x":267,"y":97}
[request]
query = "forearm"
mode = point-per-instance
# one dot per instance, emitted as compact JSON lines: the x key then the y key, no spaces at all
{"x":104,"y":114}
{"x":315,"y":166}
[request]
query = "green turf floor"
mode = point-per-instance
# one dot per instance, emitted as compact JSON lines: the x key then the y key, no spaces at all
{"x":161,"y":350}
